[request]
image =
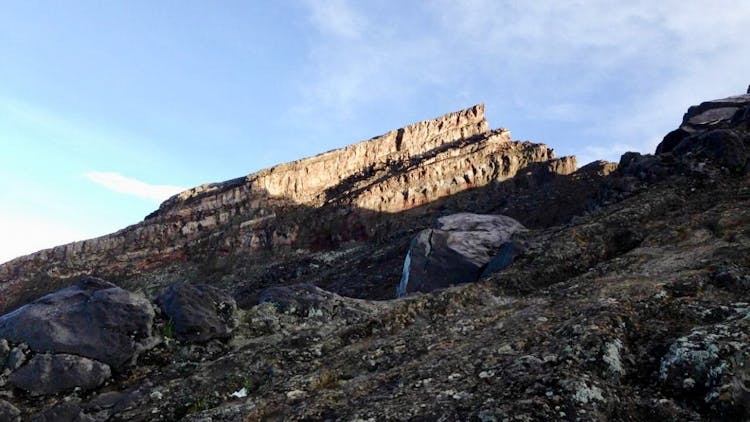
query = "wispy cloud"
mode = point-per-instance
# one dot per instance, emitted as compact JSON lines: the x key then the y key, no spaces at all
{"x":620,"y":74}
{"x":337,"y":18}
{"x":129,"y":186}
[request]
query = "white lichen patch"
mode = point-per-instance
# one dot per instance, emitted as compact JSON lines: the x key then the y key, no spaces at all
{"x":586,"y":394}
{"x":612,"y":357}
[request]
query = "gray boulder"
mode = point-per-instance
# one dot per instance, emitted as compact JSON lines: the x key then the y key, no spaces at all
{"x":92,"y":318}
{"x":455,"y":251}
{"x":8,"y":412}
{"x":52,"y":374}
{"x":198,"y":312}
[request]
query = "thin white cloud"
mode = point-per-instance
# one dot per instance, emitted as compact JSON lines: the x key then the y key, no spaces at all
{"x":129,"y":186}
{"x":337,"y":17}
{"x":622,"y":73}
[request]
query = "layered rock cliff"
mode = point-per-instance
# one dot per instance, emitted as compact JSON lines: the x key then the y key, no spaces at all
{"x":348,"y":194}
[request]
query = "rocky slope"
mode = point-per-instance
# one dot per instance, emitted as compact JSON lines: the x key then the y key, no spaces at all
{"x":626,"y":299}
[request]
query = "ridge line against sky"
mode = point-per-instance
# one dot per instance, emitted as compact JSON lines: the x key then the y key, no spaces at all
{"x":107,"y":109}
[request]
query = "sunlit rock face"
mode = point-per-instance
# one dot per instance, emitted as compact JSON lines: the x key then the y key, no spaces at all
{"x":313,"y":203}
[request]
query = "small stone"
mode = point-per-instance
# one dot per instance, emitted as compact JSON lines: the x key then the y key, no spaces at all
{"x":454,"y":376}
{"x":17,"y":357}
{"x":242,"y":393}
{"x":486,"y":374}
{"x":688,"y":383}
{"x":295,"y":395}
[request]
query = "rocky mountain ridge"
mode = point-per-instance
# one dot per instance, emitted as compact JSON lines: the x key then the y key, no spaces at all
{"x":625,"y":299}
{"x":291,"y":206}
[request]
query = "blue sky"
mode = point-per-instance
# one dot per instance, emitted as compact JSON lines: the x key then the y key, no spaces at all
{"x":107,"y":108}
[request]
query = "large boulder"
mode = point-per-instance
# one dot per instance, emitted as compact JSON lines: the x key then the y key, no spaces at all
{"x":92,"y":318}
{"x":57,"y":373}
{"x":198,"y":312}
{"x":454,"y":251}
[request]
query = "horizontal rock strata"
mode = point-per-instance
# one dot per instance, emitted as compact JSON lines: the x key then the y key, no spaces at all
{"x":357,"y":187}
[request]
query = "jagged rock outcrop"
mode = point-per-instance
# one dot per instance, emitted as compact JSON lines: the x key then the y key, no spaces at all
{"x":347,"y":194}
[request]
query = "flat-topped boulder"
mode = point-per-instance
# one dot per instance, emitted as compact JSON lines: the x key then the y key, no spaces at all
{"x":455,"y":251}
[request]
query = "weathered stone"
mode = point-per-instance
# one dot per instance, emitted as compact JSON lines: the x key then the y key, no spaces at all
{"x":671,"y":140}
{"x":301,"y":299}
{"x":8,"y":412}
{"x":710,"y":363}
{"x":455,"y":251}
{"x":65,"y":412}
{"x":52,"y":374}
{"x":17,"y":356}
{"x":722,"y":146}
{"x":4,"y":351}
{"x":198,"y":312}
{"x":93,"y":318}
{"x":306,"y":300}
{"x":716,"y":114}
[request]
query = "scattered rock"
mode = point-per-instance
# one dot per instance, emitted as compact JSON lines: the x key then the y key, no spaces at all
{"x":455,"y":251}
{"x":92,"y":318}
{"x":198,"y":312}
{"x":52,"y":374}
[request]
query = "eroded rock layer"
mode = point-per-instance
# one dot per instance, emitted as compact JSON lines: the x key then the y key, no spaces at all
{"x":359,"y":188}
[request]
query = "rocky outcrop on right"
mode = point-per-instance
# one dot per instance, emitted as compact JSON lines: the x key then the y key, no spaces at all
{"x":713,"y":130}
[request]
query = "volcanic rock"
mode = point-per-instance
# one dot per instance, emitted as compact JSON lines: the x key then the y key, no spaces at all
{"x":64,"y":412}
{"x":56,"y":373}
{"x":4,"y":350}
{"x":198,"y":312}
{"x":8,"y":412}
{"x":92,"y":318}
{"x":455,"y":251}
